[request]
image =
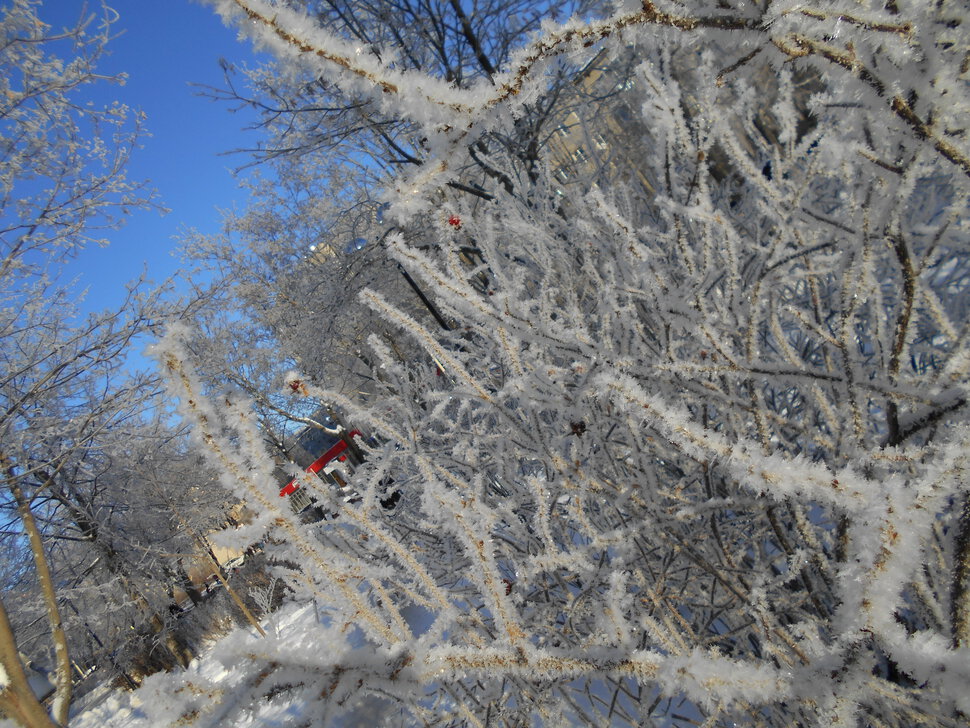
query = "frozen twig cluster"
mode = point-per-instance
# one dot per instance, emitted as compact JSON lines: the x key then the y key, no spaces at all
{"x":695,"y":439}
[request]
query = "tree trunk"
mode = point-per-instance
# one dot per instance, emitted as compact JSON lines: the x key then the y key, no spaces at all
{"x":62,"y":678}
{"x":17,"y":700}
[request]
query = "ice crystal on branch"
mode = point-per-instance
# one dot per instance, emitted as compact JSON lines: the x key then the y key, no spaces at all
{"x":687,"y":428}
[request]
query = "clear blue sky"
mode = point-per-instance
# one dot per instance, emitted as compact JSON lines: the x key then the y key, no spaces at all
{"x":165,"y":46}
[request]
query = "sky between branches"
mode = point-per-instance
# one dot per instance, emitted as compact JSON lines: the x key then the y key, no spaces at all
{"x":168,"y":50}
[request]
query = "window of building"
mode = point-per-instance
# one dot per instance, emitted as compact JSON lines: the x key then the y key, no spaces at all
{"x":300,"y":500}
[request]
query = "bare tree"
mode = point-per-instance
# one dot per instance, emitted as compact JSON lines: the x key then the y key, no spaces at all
{"x":62,"y":185}
{"x":456,"y":43}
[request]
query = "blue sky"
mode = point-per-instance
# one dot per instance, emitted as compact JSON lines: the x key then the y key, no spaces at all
{"x":164,"y":47}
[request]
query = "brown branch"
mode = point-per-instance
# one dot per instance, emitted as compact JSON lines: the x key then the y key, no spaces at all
{"x":335,"y":58}
{"x":894,"y":168}
{"x":960,"y":591}
{"x":902,"y":329}
{"x":920,"y":422}
{"x":719,"y":81}
{"x":472,"y":38}
{"x":792,"y":45}
{"x":471,"y":190}
{"x":799,"y":46}
{"x":553,"y":44}
{"x":905,"y":29}
{"x":923,"y":131}
{"x":543,"y":48}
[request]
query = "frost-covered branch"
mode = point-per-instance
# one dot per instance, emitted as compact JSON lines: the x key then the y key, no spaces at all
{"x":696,"y":430}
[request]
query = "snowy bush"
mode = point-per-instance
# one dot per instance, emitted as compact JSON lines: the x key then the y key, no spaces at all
{"x":696,"y":447}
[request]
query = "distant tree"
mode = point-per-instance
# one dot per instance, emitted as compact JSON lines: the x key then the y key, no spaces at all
{"x":62,"y":185}
{"x":287,"y":272}
{"x":456,"y":43}
{"x":124,"y":526}
{"x":697,"y":456}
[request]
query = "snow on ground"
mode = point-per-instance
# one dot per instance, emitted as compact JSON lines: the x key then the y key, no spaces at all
{"x":221,"y":686}
{"x":205,"y":689}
